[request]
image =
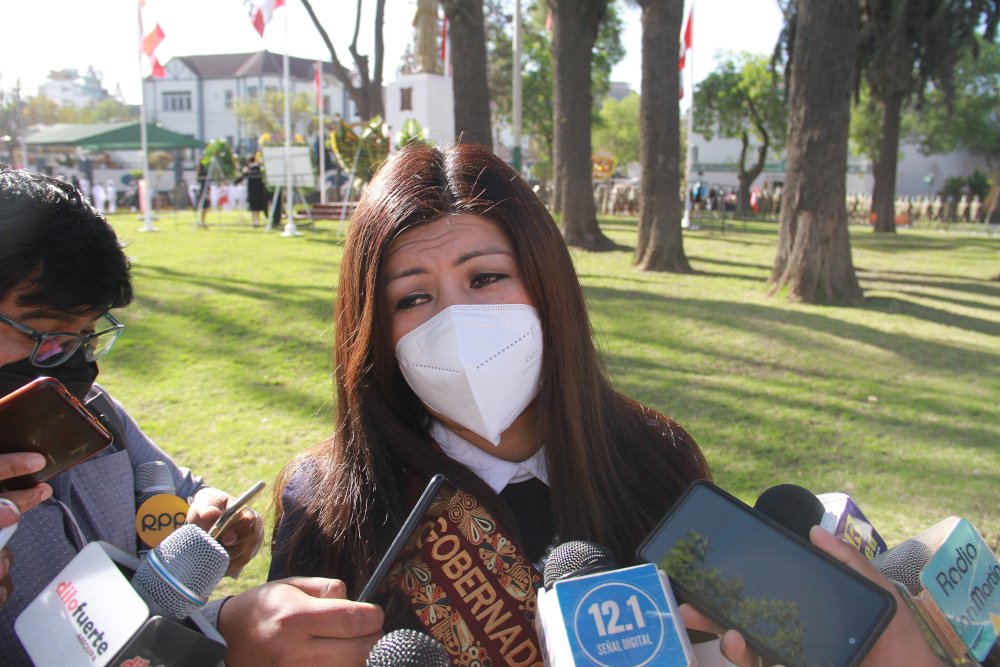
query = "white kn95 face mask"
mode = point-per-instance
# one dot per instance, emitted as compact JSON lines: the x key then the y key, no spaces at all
{"x":478,"y":365}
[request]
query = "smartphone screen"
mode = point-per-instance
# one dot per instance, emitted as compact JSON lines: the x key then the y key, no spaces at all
{"x":428,"y":507}
{"x":44,"y":417}
{"x":792,"y":602}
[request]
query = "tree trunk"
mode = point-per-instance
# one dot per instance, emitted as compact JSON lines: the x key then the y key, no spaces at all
{"x":574,"y":31}
{"x":661,"y":245}
{"x":884,"y":195}
{"x":468,"y":61}
{"x":813,"y":261}
{"x":367,"y":95}
{"x":748,"y":176}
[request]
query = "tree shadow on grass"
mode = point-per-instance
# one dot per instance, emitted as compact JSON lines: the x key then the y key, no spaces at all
{"x":897,"y":306}
{"x":213,"y":332}
{"x":784,"y":323}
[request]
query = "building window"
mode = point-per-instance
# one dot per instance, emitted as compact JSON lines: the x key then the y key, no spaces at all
{"x":177,"y":101}
{"x":406,"y":99}
{"x":326,"y":105}
{"x":252,"y":92}
{"x":229,"y":99}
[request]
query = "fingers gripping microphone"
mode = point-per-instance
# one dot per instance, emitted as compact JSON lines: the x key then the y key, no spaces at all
{"x":592,"y":612}
{"x":408,"y":648}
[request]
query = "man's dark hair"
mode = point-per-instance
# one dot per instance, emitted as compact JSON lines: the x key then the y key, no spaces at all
{"x":51,"y":237}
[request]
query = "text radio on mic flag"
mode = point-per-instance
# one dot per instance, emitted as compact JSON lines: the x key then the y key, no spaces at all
{"x":951,"y":564}
{"x":590,"y":613}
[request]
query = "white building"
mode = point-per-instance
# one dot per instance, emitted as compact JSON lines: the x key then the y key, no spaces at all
{"x":69,"y":87}
{"x":198,"y":95}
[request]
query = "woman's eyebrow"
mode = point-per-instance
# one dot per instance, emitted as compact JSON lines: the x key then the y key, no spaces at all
{"x":492,"y":250}
{"x":461,"y":259}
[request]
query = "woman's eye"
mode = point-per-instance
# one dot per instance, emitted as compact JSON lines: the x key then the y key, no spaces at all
{"x":484,"y":279}
{"x":411,"y":300}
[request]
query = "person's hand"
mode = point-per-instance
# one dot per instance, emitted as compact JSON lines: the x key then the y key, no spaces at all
{"x":734,"y":647}
{"x":23,"y":463}
{"x":901,"y":643}
{"x":242,"y":540}
{"x":301,"y":621}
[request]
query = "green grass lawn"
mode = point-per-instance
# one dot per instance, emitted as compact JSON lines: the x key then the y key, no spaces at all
{"x":226,"y":361}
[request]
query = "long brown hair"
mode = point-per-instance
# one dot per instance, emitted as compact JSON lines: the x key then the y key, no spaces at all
{"x":614,"y":465}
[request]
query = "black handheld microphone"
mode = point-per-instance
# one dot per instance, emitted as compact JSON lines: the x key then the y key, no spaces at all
{"x":408,"y":648}
{"x":794,"y":507}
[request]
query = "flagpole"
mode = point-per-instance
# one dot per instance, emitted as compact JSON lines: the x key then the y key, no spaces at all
{"x":516,"y":101}
{"x":322,"y":132}
{"x":147,"y":215}
{"x":290,"y":229}
{"x":689,"y":162}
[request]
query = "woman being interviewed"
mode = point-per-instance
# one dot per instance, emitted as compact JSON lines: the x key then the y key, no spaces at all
{"x":453,"y":262}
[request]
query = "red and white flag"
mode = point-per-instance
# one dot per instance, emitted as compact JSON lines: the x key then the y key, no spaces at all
{"x":152,"y":36}
{"x":318,"y":82}
{"x":686,"y":39}
{"x":261,"y":12}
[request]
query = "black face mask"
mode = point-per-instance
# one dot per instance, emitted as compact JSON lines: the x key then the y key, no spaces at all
{"x":76,"y":373}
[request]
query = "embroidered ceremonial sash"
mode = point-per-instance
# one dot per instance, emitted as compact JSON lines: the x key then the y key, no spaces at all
{"x":471,"y":587}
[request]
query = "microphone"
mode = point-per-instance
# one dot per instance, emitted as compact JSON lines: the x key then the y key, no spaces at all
{"x":798,"y":509}
{"x":159,"y":512}
{"x":794,"y":507}
{"x":845,"y":520}
{"x":953,"y":580}
{"x":592,"y":612}
{"x":407,"y":648}
{"x":107,"y":608}
{"x":180,"y":574}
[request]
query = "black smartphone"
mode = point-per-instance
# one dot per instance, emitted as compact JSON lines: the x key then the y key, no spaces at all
{"x":44,"y":417}
{"x":377,"y":588}
{"x":794,"y":604}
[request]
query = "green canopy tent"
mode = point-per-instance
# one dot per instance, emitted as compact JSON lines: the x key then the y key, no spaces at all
{"x":111,"y":137}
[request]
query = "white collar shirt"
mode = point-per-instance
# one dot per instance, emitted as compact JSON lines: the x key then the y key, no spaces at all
{"x":496,"y":472}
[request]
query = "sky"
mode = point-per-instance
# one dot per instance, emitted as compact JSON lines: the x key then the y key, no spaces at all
{"x":44,"y":35}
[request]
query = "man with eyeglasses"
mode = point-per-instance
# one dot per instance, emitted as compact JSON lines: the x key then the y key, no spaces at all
{"x":61,"y":271}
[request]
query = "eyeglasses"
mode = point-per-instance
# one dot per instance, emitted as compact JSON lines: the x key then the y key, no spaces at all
{"x":55,"y":347}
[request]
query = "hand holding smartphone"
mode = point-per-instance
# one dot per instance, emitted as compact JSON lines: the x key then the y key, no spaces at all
{"x":793,"y":603}
{"x":44,"y":417}
{"x":231,"y":514}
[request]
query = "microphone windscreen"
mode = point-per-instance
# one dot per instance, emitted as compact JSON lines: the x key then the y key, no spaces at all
{"x":904,"y":562}
{"x":576,"y":558}
{"x":792,"y":506}
{"x":181,"y":573}
{"x":408,"y":648}
{"x":152,"y":478}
